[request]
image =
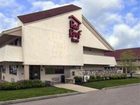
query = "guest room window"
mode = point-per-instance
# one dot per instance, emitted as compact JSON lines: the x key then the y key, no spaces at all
{"x":54,"y":71}
{"x":13,"y":69}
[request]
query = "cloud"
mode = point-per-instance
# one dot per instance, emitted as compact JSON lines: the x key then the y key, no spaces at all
{"x":6,"y":22}
{"x":9,"y":9}
{"x":43,"y":5}
{"x":10,"y":5}
{"x":130,"y":19}
{"x":125,"y":36}
{"x":5,"y":3}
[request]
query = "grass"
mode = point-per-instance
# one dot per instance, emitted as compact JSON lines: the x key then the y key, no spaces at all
{"x":111,"y":83}
{"x":33,"y":92}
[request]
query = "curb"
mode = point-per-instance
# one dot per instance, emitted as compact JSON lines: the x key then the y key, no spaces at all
{"x":121,"y":86}
{"x":37,"y":98}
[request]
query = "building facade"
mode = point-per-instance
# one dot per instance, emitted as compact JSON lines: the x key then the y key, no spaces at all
{"x":52,"y":45}
{"x":135,"y":59}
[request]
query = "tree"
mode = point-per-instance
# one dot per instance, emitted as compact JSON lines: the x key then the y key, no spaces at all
{"x":127,"y":61}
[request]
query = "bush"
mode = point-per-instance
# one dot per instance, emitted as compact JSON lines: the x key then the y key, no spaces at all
{"x":107,"y":77}
{"x":21,"y":85}
{"x":113,"y":77}
{"x":123,"y":76}
{"x":118,"y":76}
{"x":99,"y":78}
{"x":7,"y":86}
{"x":78,"y":80}
{"x":48,"y":83}
{"x":92,"y":79}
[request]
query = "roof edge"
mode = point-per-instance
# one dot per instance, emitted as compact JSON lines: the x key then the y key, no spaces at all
{"x":35,"y":16}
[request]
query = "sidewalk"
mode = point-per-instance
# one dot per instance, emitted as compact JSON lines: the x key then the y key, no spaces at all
{"x":74,"y":87}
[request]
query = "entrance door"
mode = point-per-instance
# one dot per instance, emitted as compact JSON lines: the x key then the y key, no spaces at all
{"x":34,"y":72}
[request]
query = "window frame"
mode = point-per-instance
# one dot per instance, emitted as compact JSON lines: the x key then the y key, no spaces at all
{"x":53,"y":71}
{"x":13,"y":69}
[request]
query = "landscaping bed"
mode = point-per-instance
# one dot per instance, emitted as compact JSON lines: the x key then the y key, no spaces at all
{"x":110,"y":83}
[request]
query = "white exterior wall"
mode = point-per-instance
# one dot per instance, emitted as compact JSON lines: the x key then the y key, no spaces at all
{"x":90,"y":40}
{"x":11,"y":77}
{"x":2,"y":53}
{"x":11,"y":53}
{"x":47,"y":42}
{"x":99,"y":60}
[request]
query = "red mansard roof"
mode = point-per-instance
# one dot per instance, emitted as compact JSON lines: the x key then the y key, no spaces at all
{"x":117,"y":53}
{"x":47,"y":13}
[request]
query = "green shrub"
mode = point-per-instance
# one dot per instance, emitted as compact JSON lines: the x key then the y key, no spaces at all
{"x":78,"y":80}
{"x":118,"y":76}
{"x":107,"y":77}
{"x":7,"y":86}
{"x":99,"y":78}
{"x":21,"y":85}
{"x":123,"y":76}
{"x":92,"y":79}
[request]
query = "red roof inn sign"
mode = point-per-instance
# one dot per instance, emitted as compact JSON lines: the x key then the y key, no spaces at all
{"x":74,"y":31}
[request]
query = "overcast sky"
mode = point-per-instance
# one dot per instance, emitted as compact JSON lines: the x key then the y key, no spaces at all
{"x":117,"y":20}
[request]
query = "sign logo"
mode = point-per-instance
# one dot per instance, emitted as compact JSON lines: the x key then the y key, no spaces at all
{"x":74,"y":32}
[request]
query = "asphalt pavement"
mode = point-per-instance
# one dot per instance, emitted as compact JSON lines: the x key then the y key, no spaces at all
{"x":118,"y":96}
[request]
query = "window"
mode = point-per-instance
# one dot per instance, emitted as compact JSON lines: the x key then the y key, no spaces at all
{"x":16,"y":42}
{"x":59,"y":71}
{"x":49,"y":71}
{"x":54,"y":71}
{"x":13,"y":69}
{"x":73,"y":73}
{"x":3,"y":69}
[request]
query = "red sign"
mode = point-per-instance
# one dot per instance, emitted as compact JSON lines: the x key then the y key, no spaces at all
{"x":74,"y":32}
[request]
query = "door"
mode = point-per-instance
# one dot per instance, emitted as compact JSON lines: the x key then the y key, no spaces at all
{"x":34,"y":72}
{"x":62,"y":78}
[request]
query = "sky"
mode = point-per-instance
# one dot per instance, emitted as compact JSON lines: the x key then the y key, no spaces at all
{"x":118,"y":21}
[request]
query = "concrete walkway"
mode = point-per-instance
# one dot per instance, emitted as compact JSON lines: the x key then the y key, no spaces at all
{"x":74,"y":87}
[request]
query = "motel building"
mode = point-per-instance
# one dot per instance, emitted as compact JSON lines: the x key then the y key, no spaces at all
{"x":52,"y":45}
